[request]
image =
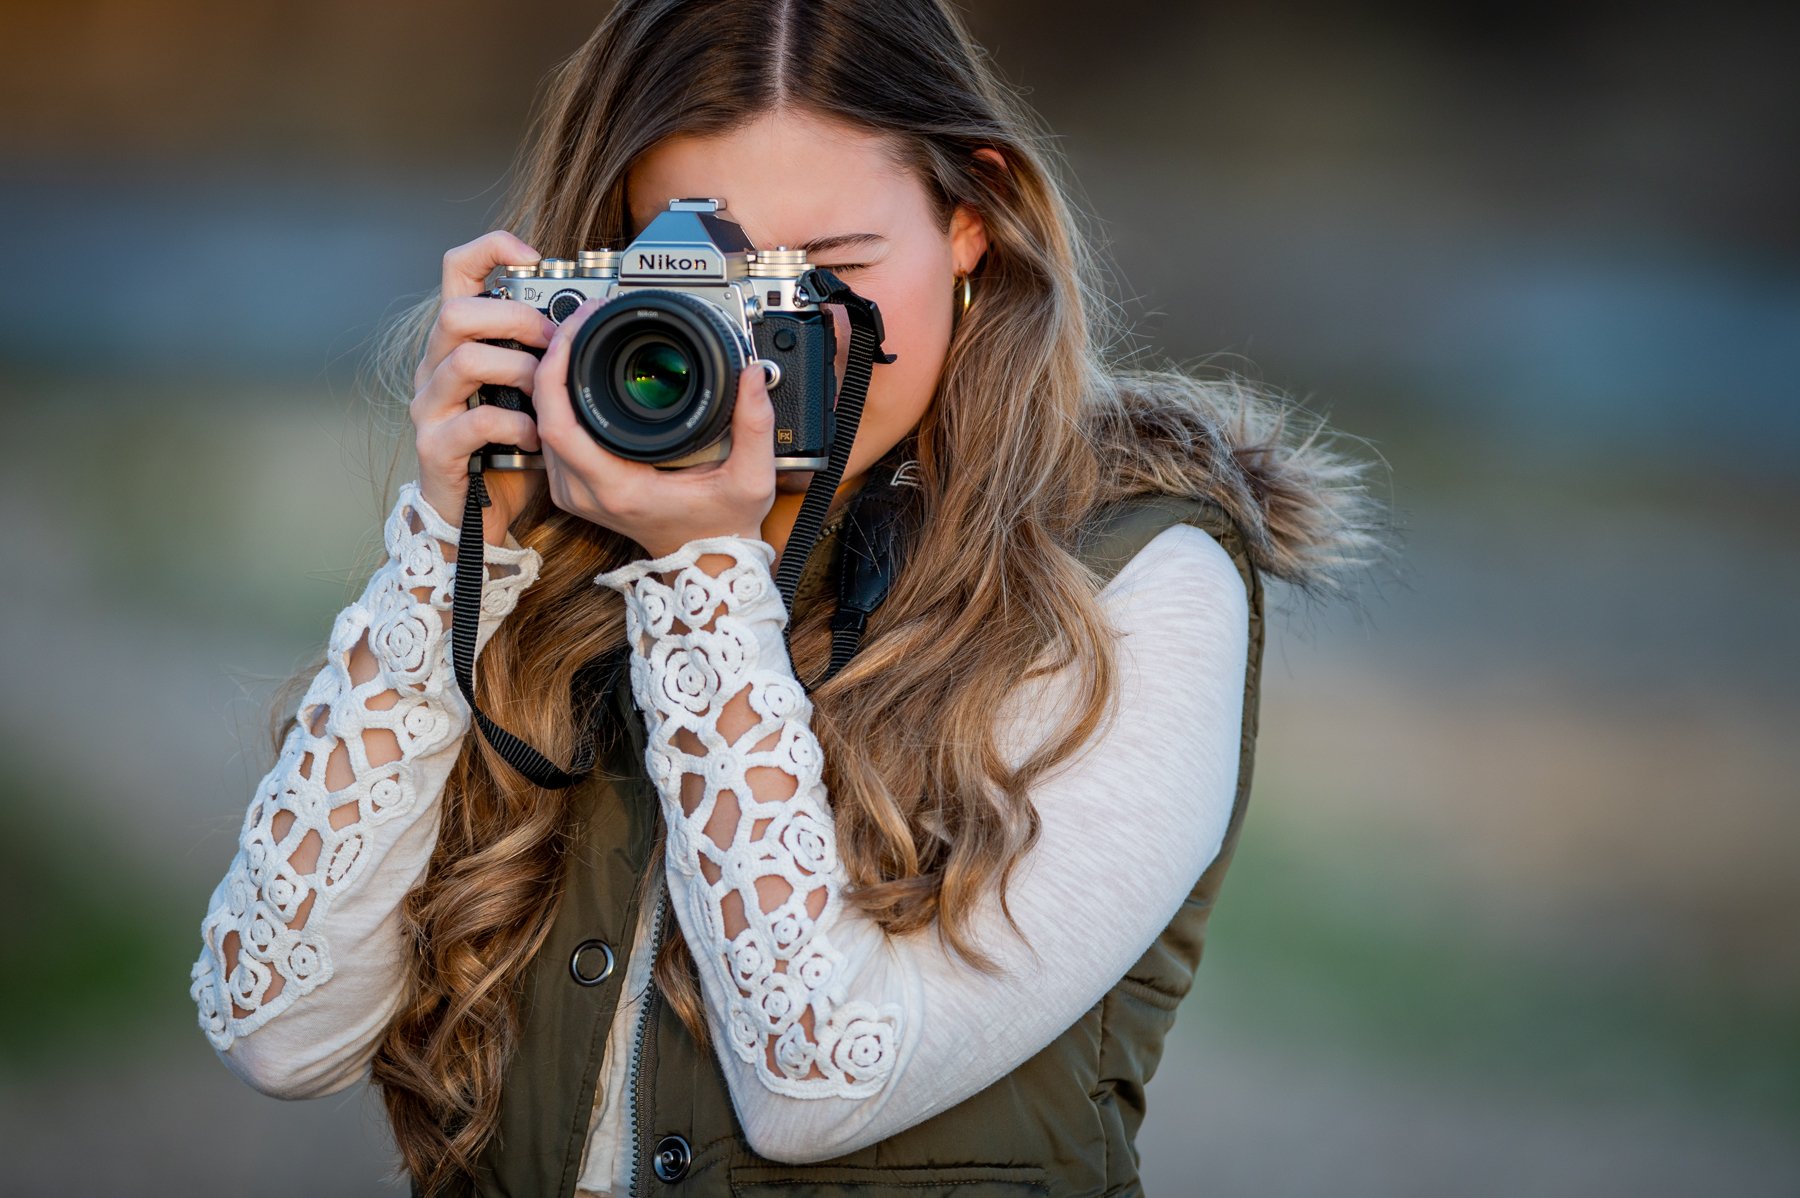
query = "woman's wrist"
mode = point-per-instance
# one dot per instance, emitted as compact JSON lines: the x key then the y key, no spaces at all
{"x":712,"y":555}
{"x":501,"y":545}
{"x":713,"y":562}
{"x":496,"y":517}
{"x":680,"y":592}
{"x":660,"y":550}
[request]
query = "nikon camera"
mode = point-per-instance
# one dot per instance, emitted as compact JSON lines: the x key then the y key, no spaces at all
{"x":653,"y":373}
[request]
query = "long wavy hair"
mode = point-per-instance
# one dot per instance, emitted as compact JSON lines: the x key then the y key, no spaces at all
{"x":1036,"y":420}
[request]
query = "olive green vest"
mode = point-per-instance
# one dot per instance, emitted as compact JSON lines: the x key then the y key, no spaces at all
{"x":1063,"y":1124}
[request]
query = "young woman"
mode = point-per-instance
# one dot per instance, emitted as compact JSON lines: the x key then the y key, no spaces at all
{"x":922,"y":929}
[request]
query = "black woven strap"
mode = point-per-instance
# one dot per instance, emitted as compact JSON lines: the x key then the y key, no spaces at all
{"x":872,"y":548}
{"x":587,"y":689}
{"x":593,"y":680}
{"x":866,"y":335}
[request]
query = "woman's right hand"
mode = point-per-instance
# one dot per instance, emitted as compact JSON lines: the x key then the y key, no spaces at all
{"x":456,"y":365}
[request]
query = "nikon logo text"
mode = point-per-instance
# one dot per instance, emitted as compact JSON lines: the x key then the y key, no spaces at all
{"x":672,"y":263}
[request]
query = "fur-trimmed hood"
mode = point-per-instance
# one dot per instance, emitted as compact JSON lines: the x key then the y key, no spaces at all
{"x":1303,"y":505}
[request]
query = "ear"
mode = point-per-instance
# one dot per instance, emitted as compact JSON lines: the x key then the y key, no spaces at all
{"x":968,"y":239}
{"x":968,"y":231}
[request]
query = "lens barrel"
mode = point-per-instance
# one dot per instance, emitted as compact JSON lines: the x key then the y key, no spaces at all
{"x":653,"y":374}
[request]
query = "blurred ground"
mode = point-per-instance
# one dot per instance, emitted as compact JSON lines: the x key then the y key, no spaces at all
{"x":1514,"y":907}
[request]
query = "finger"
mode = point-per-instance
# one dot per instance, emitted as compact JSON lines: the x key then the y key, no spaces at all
{"x":752,"y":461}
{"x":474,"y":318}
{"x":491,"y":425}
{"x":444,"y":448}
{"x":464,"y":371}
{"x":467,"y":267}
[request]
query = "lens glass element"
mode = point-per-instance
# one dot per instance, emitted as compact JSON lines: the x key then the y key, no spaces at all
{"x":657,"y":374}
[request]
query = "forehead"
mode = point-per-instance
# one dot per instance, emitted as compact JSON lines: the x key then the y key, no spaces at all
{"x":786,"y":177}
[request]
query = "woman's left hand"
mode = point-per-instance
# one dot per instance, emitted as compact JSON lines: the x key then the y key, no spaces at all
{"x":661,"y":510}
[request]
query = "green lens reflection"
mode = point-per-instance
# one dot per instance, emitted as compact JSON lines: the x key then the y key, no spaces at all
{"x":656,"y":375}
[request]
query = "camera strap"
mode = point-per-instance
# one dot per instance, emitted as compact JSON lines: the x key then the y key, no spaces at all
{"x":820,"y":286}
{"x":593,"y":681}
{"x":586,"y":690}
{"x":871,"y":549}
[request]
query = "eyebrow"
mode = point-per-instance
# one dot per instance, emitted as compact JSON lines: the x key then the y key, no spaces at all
{"x":818,"y":245}
{"x":839,"y":241}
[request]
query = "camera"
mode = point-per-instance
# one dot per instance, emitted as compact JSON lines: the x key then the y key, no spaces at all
{"x":688,"y":306}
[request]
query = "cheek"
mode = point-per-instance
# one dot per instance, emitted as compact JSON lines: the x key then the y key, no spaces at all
{"x":917,"y":320}
{"x":841,"y":325}
{"x":915,"y":314}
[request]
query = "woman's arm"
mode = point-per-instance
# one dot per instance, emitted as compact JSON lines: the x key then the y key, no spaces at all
{"x":301,"y":962}
{"x":833,"y":1034}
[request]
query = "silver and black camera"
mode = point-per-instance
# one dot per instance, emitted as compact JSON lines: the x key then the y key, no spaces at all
{"x":689,"y":305}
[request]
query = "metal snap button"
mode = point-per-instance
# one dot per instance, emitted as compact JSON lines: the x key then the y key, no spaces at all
{"x":672,"y":1158}
{"x":586,"y":951}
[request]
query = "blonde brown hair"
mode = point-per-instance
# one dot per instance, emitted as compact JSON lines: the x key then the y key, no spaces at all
{"x":1033,"y":425}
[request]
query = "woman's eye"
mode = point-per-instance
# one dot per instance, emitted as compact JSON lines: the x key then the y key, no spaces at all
{"x":847,"y":266}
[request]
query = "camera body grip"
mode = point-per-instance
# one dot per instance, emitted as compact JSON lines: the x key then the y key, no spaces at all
{"x":508,"y":457}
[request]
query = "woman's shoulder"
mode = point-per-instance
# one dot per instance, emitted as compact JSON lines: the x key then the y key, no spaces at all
{"x":1181,"y":566}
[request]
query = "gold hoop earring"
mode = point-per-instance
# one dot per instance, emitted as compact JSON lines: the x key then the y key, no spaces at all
{"x":968,"y":291}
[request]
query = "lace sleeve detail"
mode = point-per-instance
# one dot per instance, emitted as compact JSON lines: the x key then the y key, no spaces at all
{"x":834,"y":1033}
{"x":752,"y":853}
{"x":384,"y":719}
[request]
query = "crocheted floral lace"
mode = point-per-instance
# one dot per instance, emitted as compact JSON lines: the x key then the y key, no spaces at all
{"x":751,"y":845}
{"x":302,"y":845}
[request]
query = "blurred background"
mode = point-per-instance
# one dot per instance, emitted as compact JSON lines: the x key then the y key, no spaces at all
{"x":1514,"y":909}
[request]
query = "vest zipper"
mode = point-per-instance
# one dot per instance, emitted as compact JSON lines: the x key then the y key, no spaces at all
{"x":634,"y":1081}
{"x":639,"y":1154}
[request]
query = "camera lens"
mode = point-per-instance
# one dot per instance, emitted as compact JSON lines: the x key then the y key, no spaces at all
{"x":655,"y":373}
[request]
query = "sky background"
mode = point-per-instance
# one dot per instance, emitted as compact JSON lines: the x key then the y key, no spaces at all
{"x":1514,"y":906}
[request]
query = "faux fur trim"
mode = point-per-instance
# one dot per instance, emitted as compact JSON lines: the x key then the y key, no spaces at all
{"x":1303,"y":504}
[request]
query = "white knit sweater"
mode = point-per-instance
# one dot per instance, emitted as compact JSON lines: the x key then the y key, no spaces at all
{"x":832,"y":1033}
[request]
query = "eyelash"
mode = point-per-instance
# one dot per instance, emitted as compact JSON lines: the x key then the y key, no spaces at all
{"x":849,"y":266}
